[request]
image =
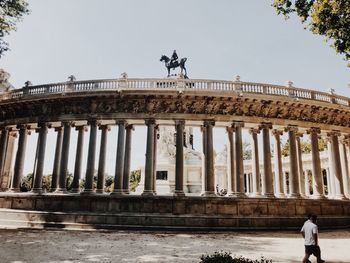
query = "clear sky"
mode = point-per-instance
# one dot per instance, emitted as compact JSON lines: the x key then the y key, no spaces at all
{"x":94,"y":39}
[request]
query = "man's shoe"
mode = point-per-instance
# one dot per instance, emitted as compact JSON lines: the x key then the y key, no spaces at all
{"x":321,"y":261}
{"x":308,"y":261}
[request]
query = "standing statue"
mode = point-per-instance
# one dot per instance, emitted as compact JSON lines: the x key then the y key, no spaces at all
{"x":173,"y":62}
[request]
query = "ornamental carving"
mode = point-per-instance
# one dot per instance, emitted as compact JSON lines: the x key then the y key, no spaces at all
{"x":51,"y":109}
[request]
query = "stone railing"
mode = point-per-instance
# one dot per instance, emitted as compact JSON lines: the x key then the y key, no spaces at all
{"x":174,"y":84}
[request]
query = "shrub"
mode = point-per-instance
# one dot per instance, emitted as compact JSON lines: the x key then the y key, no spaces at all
{"x":225,"y":257}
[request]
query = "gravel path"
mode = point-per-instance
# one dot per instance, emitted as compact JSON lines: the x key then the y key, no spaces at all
{"x":123,"y":246}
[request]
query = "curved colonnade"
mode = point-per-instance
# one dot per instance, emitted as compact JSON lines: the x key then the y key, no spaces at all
{"x":126,"y":103}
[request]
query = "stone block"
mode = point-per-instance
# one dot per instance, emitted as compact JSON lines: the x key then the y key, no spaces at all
{"x":23,"y":203}
{"x":95,"y":219}
{"x":305,"y":209}
{"x":5,"y":202}
{"x":112,"y":220}
{"x":227,"y":209}
{"x":178,"y":221}
{"x":250,"y":209}
{"x":162,"y":206}
{"x":227,"y":222}
{"x":332,"y":209}
{"x":195,"y":222}
{"x":113,"y":205}
{"x":211,"y":208}
{"x":195,"y":207}
{"x":179,"y":207}
{"x":130,"y":220}
{"x":98,"y":206}
{"x":146,"y":206}
{"x":244,"y":222}
{"x":160,"y":221}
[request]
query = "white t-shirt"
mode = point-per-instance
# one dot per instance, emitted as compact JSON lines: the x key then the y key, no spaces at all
{"x":309,"y":230}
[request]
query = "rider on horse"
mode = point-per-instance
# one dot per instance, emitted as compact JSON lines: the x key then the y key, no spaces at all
{"x":174,"y":57}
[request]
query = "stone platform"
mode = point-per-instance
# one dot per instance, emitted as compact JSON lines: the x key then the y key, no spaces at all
{"x":73,"y":211}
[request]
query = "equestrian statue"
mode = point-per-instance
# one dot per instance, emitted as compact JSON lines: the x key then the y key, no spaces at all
{"x":173,"y":62}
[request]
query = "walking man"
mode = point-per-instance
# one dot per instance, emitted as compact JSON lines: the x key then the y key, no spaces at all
{"x":309,"y":232}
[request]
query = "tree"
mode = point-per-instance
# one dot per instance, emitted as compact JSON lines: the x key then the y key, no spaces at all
{"x":328,"y":18}
{"x":305,"y":147}
{"x":11,"y":12}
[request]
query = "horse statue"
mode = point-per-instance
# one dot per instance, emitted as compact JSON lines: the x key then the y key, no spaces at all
{"x":172,"y":65}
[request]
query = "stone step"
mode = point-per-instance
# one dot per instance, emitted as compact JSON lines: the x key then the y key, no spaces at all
{"x":14,"y":219}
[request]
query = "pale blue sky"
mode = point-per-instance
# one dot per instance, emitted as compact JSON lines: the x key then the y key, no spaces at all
{"x":95,"y":39}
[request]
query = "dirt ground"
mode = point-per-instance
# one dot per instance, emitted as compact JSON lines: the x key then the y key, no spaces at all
{"x":33,"y":246}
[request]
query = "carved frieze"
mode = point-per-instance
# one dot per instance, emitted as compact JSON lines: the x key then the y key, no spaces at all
{"x":153,"y":104}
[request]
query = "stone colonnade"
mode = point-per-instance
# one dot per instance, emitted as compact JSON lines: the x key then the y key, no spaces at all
{"x":269,"y":183}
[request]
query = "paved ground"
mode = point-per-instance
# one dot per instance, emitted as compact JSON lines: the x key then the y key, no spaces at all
{"x":124,"y":246}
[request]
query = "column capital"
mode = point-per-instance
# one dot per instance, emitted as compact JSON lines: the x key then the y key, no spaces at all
{"x":265,"y":125}
{"x":68,"y":123}
{"x":58,"y":128}
{"x":43,"y":125}
{"x":237,"y":124}
{"x":254,"y":131}
{"x":150,"y":121}
{"x":81,"y":128}
{"x":6,"y":128}
{"x":209,"y":123}
{"x":22,"y":126}
{"x":291,"y":128}
{"x":298,"y":135}
{"x":129,"y":127}
{"x":121,"y":122}
{"x":333,"y":133}
{"x":179,"y":122}
{"x":314,"y":130}
{"x":105,"y":127}
{"x":93,"y":122}
{"x":276,"y":132}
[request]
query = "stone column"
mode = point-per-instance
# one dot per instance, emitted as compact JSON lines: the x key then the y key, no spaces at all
{"x":278,"y":164}
{"x":239,"y":171}
{"x":331,"y":182}
{"x":317,"y":180}
{"x":267,"y":180}
{"x":300,"y":165}
{"x":57,"y":159}
{"x":344,"y":165}
{"x":204,"y":146}
{"x":179,"y":162}
{"x":119,"y":165}
{"x":255,"y":162}
{"x":154,"y":177}
{"x":90,"y":167}
{"x":293,"y":162}
{"x":38,"y":176}
{"x":307,"y":184}
{"x":20,"y":155}
{"x":209,"y":189}
{"x":3,"y":145}
{"x":62,"y":181}
{"x":339,"y":186}
{"x":231,"y":179}
{"x":347,"y":138}
{"x":102,"y":159}
{"x":78,"y":158}
{"x":5,"y":182}
{"x":127,"y":160}
{"x":149,"y":169}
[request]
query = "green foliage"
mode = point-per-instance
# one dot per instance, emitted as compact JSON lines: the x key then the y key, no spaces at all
{"x":109,"y":183}
{"x":328,"y":18}
{"x":11,"y":12}
{"x":305,"y":147}
{"x":135,"y":177}
{"x":224,"y":257}
{"x":247,"y":151}
{"x":26,"y":184}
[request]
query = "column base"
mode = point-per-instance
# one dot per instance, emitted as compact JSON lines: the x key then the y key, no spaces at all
{"x":280,"y":195}
{"x":87,"y":192}
{"x":61,"y":191}
{"x":75,"y":190}
{"x":237,"y":194}
{"x":52,"y":190}
{"x":148,"y":193}
{"x":99,"y":191}
{"x":340,"y":197}
{"x":208,"y":193}
{"x":317,"y":196}
{"x":179,"y":193}
{"x":295,"y":196}
{"x":37,"y":190}
{"x":118,"y":192}
{"x":15,"y":190}
{"x":269,"y":195}
{"x":126,"y":191}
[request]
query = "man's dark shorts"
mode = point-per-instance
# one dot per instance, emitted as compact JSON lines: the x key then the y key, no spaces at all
{"x":313,"y":250}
